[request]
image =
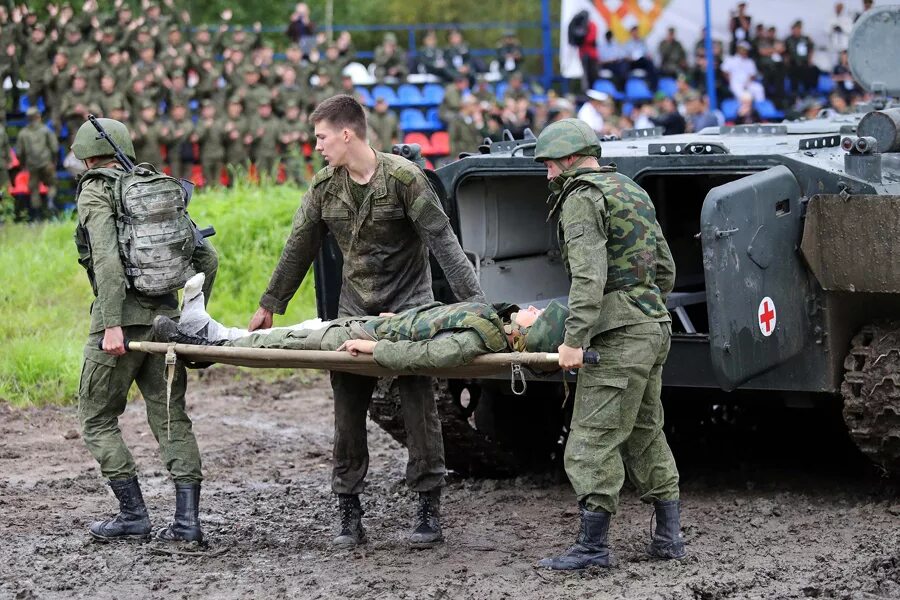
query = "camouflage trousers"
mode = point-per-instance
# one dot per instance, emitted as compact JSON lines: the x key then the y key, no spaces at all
{"x":47,"y":176}
{"x":212,"y":171}
{"x":617,"y":420}
{"x":425,"y":469}
{"x":102,"y":395}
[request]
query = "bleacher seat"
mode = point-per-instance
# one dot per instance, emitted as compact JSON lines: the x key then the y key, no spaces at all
{"x":668,"y":86}
{"x":434,"y":118}
{"x":386,"y":92}
{"x":608,"y":87}
{"x":412,"y":119}
{"x":501,"y":89}
{"x":636,"y":90}
{"x":440,"y":143}
{"x":365,"y":96}
{"x":409,"y":95}
{"x":627,"y":108}
{"x":417,"y":137}
{"x":25,"y":103}
{"x":729,"y":108}
{"x":433,"y":94}
{"x":767,"y":110}
{"x":826,"y":84}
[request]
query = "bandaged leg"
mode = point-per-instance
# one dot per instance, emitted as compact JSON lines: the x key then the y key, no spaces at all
{"x":194,"y":317}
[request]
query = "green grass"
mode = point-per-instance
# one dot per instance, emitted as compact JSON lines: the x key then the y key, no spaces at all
{"x":45,"y":296}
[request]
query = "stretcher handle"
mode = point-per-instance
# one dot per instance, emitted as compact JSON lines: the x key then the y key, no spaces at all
{"x":587,"y":357}
{"x":125,"y":342}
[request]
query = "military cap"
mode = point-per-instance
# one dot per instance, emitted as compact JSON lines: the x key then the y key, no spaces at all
{"x":390,"y":36}
{"x":72,"y":28}
{"x":291,"y":104}
{"x":177,"y":73}
{"x":39,"y":27}
{"x":32,"y":112}
{"x":147,"y":103}
{"x":549,"y":329}
{"x":236,"y":100}
{"x":566,"y":137}
{"x":206,"y":102}
{"x":797,"y":23}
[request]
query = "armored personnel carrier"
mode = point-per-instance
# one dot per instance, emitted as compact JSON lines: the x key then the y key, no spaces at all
{"x":786,"y":239}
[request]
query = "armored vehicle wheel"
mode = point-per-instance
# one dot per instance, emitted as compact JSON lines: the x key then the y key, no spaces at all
{"x":483,"y":450}
{"x":871,"y":391}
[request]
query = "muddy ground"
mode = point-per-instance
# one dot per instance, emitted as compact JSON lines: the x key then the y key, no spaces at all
{"x":776,"y":505}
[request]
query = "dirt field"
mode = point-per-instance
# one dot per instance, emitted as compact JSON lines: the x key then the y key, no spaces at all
{"x":768,"y":513}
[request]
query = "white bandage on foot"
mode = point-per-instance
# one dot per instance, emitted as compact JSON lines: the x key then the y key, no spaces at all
{"x":193,"y":312}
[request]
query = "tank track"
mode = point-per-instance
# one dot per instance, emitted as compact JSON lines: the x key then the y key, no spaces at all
{"x":467,"y":451}
{"x":871,"y":392}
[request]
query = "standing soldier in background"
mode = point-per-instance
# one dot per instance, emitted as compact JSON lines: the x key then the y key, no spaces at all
{"x":38,"y":149}
{"x":621,"y":271}
{"x":147,"y":135}
{"x":385,"y":125}
{"x":120,"y":311}
{"x":4,"y":163}
{"x":265,"y":129}
{"x":468,"y":130}
{"x":209,"y":132}
{"x":237,"y":139}
{"x":177,"y":135}
{"x":295,"y":134}
{"x":379,"y":206}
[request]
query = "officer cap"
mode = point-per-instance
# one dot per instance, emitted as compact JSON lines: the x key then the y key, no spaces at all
{"x":566,"y":137}
{"x":147,"y":103}
{"x":390,"y":36}
{"x":32,"y":112}
{"x":549,"y":329}
{"x":72,"y":28}
{"x":177,"y":73}
{"x":207,"y":102}
{"x":89,"y":144}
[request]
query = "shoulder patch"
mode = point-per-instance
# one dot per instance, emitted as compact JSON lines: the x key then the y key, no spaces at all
{"x":323,"y":175}
{"x":404,"y":174}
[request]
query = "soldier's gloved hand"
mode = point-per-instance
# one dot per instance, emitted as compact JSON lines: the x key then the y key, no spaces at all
{"x":357,"y":347}
{"x":261,"y":320}
{"x":114,"y":341}
{"x":570,"y":358}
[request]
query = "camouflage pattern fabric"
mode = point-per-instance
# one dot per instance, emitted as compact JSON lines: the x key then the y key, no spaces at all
{"x":567,"y":137}
{"x":548,"y":331}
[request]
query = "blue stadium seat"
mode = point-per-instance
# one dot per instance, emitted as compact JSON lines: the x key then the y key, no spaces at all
{"x":767,"y":111}
{"x":608,"y":87}
{"x":434,"y":118}
{"x":627,"y":108}
{"x":25,"y":103}
{"x":501,"y":89}
{"x":432,"y":94}
{"x":826,"y":84}
{"x":409,"y":95}
{"x":729,"y":108}
{"x":637,"y":90}
{"x":668,"y":86}
{"x":386,"y":92}
{"x":365,"y":96}
{"x":412,"y":119}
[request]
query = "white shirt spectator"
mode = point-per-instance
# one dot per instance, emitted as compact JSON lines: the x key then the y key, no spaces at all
{"x":590,"y":113}
{"x":740,"y":70}
{"x":838,"y":30}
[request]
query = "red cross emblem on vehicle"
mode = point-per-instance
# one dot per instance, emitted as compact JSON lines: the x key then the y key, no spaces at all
{"x":767,"y":316}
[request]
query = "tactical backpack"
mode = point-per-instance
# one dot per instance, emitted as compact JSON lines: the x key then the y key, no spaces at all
{"x":156,"y":236}
{"x":578,"y":28}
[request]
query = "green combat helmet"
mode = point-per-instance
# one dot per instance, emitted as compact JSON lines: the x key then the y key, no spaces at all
{"x":548,"y":331}
{"x":88,"y":144}
{"x":564,"y":138}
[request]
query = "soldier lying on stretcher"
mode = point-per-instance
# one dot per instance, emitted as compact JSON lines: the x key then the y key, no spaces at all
{"x":431,"y":336}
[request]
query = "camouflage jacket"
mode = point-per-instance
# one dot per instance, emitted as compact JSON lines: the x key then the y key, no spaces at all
{"x":430,"y":320}
{"x":386,"y":128}
{"x":614,"y":250}
{"x":211,"y":135}
{"x":148,"y":141}
{"x":385,"y":241}
{"x":37,"y":146}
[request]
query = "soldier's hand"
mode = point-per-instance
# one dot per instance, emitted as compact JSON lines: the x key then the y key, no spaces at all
{"x":261,"y":320}
{"x":357,"y":347}
{"x":570,"y":358}
{"x":114,"y":341}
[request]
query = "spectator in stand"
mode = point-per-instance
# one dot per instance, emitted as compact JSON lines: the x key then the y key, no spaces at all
{"x":147,"y":133}
{"x":431,"y":59}
{"x":560,"y":109}
{"x":838,"y":31}
{"x":468,"y":130}
{"x":37,"y":149}
{"x":697,"y":111}
{"x":867,"y":5}
{"x":837,"y":103}
{"x":517,"y":88}
{"x":509,"y":53}
{"x":668,"y":116}
{"x":746,"y":113}
{"x":384,"y":124}
{"x":770,"y":63}
{"x":390,"y":60}
{"x":588,"y":52}
{"x":638,"y":55}
{"x":697,"y":76}
{"x":177,"y":133}
{"x":483,"y":90}
{"x":740,"y":26}
{"x":740,"y":70}
{"x":843,"y":78}
{"x":459,"y":57}
{"x":453,"y":97}
{"x":346,"y":49}
{"x":801,"y":71}
{"x":209,"y":133}
{"x":591,"y":112}
{"x":672,"y":57}
{"x":612,"y":58}
{"x":301,"y":29}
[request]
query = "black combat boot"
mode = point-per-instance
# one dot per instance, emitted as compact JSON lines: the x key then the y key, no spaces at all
{"x":352,"y":531}
{"x":132,"y":522}
{"x":667,"y":542}
{"x":166,"y":330}
{"x":591,"y":548}
{"x":427,"y":533}
{"x":186,"y":526}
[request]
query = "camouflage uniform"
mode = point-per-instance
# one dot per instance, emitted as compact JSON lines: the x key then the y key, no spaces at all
{"x":265,"y":143}
{"x":37,"y":151}
{"x":236,"y":151}
{"x":211,"y":137}
{"x":4,"y":162}
{"x":384,"y":230}
{"x":148,"y":141}
{"x":177,"y":136}
{"x":386,"y":128}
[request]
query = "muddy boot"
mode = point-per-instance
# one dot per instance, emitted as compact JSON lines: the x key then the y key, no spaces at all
{"x":132,"y":522}
{"x":590,"y":549}
{"x":166,"y":330}
{"x":186,"y":526}
{"x":427,"y":533}
{"x":352,"y":531}
{"x":667,"y":542}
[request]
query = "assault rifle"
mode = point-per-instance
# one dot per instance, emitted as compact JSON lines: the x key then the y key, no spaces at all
{"x":129,"y":166}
